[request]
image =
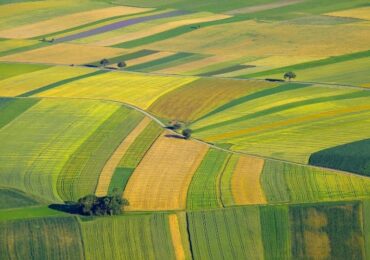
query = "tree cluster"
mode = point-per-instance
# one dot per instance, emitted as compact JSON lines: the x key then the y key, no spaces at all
{"x":105,"y":62}
{"x":176,"y":125}
{"x":101,"y":206}
{"x":290,"y":75}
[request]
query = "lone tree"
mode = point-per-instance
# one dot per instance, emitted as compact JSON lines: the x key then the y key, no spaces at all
{"x":290,"y":75}
{"x":104,"y":62}
{"x":121,"y":64}
{"x":101,"y":206}
{"x":186,"y":133}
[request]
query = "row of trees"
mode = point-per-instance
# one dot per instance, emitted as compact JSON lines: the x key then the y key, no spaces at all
{"x":105,"y":62}
{"x":176,"y":125}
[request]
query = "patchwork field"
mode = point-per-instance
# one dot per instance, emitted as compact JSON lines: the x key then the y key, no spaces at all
{"x":180,"y":119}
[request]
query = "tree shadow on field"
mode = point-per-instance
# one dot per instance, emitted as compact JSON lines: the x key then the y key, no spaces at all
{"x":174,"y":136}
{"x":69,"y":207}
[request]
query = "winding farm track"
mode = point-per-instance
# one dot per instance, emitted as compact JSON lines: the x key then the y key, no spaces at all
{"x":155,"y":119}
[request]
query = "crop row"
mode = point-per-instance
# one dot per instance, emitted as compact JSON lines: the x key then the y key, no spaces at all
{"x":80,"y":174}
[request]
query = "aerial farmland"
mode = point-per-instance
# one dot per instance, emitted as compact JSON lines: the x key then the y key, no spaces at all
{"x":183,"y":129}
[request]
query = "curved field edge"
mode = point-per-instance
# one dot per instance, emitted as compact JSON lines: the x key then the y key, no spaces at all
{"x":351,"y":157}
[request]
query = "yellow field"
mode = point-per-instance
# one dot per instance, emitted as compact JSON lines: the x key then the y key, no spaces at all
{"x":245,"y":182}
{"x":176,"y":237}
{"x":260,"y":39}
{"x":359,"y":13}
{"x":161,"y":180}
{"x":137,"y":89}
{"x":17,"y":85}
{"x":65,"y":53}
{"x":108,"y":170}
{"x":280,"y":61}
{"x":150,"y":57}
{"x":12,"y":44}
{"x":67,"y":21}
{"x":16,"y":9}
{"x":189,"y":67}
{"x":160,"y":28}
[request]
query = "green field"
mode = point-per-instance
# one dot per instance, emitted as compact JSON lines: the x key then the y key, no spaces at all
{"x":226,"y":234}
{"x":352,"y":157}
{"x":204,"y":190}
{"x":46,"y":238}
{"x":284,"y":182}
{"x":323,"y":231}
{"x":15,"y":199}
{"x":132,"y":237}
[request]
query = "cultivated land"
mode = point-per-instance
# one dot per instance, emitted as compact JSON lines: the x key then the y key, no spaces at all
{"x":274,"y":168}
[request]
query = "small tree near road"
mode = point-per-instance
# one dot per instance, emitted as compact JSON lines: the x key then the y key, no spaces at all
{"x":104,"y":62}
{"x":290,"y":75}
{"x":186,"y":133}
{"x":174,"y":125}
{"x":121,"y":64}
{"x":100,"y":206}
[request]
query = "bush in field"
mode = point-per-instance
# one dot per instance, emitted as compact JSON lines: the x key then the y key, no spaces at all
{"x":100,"y":206}
{"x":290,"y":75}
{"x":174,"y":125}
{"x":187,"y":133}
{"x":121,"y":64}
{"x":104,"y":62}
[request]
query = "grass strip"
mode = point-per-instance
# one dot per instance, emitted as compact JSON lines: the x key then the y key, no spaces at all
{"x":225,"y":70}
{"x":126,"y":57}
{"x":11,"y":108}
{"x":140,"y":146}
{"x":29,"y":212}
{"x":119,"y":180}
{"x":161,"y":61}
{"x":9,"y":70}
{"x":24,"y":48}
{"x":311,"y":64}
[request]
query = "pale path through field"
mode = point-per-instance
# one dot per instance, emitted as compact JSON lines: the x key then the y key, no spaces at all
{"x":176,"y":237}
